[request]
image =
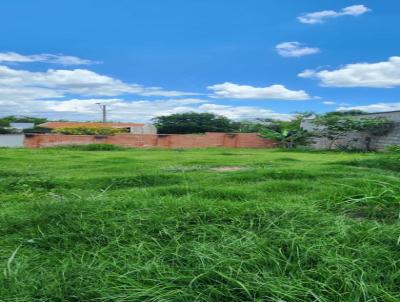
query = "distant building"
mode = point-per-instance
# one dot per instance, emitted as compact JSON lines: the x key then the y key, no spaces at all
{"x":133,"y":128}
{"x":19,"y":127}
{"x":358,"y":140}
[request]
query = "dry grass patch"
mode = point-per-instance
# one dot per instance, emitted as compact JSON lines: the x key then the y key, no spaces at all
{"x":229,"y":169}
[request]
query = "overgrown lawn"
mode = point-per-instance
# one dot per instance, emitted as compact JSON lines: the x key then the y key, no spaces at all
{"x":198,"y":225}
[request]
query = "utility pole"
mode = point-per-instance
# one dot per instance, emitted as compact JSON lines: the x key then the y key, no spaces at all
{"x":104,"y":111}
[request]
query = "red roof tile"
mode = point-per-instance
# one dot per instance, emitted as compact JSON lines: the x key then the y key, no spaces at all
{"x":54,"y":125}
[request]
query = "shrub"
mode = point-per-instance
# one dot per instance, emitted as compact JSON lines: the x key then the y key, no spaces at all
{"x":37,"y":130}
{"x":6,"y":131}
{"x":286,"y":138}
{"x":90,"y":130}
{"x":92,"y":147}
{"x":288,"y":134}
{"x":393,"y":148}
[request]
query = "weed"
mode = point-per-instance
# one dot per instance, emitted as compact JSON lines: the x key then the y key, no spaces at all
{"x":91,"y":147}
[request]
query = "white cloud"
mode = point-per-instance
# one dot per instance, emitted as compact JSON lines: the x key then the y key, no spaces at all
{"x":295,"y":49}
{"x":73,"y":93}
{"x":243,"y":112}
{"x":122,"y":110}
{"x":13,"y":57}
{"x":377,"y":75}
{"x":328,"y":103}
{"x":274,"y":92}
{"x":321,"y":16}
{"x":378,"y":107}
{"x":59,"y":83}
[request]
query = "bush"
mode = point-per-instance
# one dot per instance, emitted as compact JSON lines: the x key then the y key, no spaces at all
{"x":6,"y":131}
{"x":92,"y":147}
{"x":37,"y":130}
{"x":288,"y":134}
{"x":350,"y":148}
{"x":90,"y":130}
{"x":393,"y":148}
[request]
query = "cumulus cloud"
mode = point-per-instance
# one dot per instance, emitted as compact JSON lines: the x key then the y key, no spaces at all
{"x":295,"y":49}
{"x":274,"y":92}
{"x":59,"y":83}
{"x":322,"y":16}
{"x":243,"y":112}
{"x":73,"y":93}
{"x":123,"y":110}
{"x":328,"y":103}
{"x":377,"y":107}
{"x":377,"y":75}
{"x":13,"y":57}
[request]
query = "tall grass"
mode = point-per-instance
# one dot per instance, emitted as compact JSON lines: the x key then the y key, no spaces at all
{"x":160,"y":226}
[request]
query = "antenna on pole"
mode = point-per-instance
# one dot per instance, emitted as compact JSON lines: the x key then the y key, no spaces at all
{"x":104,"y":111}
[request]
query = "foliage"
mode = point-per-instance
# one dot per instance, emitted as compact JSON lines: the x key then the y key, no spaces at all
{"x":90,"y":130}
{"x":349,"y":148}
{"x":124,"y":226}
{"x":6,"y":131}
{"x":37,"y":130}
{"x":337,"y":126}
{"x":286,"y":138}
{"x":393,"y":148}
{"x":346,"y":113}
{"x":250,"y":126}
{"x":5,"y":121}
{"x":192,"y":122}
{"x":92,"y":147}
{"x":288,"y":134}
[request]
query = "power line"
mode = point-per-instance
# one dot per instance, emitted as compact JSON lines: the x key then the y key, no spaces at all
{"x":104,"y":111}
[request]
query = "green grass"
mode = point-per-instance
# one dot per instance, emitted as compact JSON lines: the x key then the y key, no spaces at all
{"x":159,"y":225}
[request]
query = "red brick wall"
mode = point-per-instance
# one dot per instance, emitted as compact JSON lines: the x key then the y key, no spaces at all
{"x":210,"y":139}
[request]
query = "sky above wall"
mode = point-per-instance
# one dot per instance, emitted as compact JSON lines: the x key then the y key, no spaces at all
{"x":241,"y":59}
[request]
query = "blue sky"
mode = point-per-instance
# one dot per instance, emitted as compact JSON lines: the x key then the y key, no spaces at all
{"x":242,"y":59}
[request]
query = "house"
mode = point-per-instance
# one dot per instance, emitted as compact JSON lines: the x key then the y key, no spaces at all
{"x":358,"y":140}
{"x":133,"y":128}
{"x":19,"y":127}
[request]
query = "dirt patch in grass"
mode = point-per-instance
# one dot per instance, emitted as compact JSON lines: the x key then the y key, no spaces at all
{"x":182,"y":169}
{"x":229,"y":169}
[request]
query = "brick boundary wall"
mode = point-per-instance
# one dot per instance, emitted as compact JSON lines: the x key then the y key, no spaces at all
{"x":209,"y":139}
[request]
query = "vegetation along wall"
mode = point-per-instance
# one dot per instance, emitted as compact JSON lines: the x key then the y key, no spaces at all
{"x":358,"y":140}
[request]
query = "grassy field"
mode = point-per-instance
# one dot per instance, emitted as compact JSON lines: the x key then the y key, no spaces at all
{"x":177,"y":225}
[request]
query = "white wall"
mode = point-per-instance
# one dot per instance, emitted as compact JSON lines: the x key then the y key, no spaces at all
{"x":12,"y":140}
{"x":146,"y":129}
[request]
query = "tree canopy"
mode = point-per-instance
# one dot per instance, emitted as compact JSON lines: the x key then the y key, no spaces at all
{"x":5,"y":121}
{"x":192,"y":122}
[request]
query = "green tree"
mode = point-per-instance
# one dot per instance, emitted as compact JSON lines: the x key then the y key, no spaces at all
{"x":288,"y":134}
{"x":5,"y":121}
{"x":286,"y":138}
{"x":191,"y":122}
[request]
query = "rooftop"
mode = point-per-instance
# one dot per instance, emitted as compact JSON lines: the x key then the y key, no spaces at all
{"x":54,"y":125}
